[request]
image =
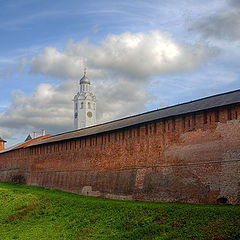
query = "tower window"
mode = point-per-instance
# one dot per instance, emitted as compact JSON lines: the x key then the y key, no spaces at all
{"x":89,"y":105}
{"x":81,"y":104}
{"x":76,"y":106}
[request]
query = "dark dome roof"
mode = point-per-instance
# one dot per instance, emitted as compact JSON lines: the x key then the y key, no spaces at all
{"x":85,"y":80}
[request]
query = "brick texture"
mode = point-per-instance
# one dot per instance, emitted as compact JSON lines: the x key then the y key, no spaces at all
{"x":193,"y":158}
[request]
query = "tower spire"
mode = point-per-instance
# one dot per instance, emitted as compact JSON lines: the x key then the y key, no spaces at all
{"x":85,"y":71}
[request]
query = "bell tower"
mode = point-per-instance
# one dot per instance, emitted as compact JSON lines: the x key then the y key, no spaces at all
{"x":84,"y":105}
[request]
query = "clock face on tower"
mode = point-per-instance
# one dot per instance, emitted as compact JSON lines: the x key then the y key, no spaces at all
{"x":89,"y":114}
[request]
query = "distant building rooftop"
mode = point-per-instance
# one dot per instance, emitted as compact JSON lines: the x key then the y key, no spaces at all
{"x":1,"y":140}
{"x":28,"y":138}
{"x":25,"y":143}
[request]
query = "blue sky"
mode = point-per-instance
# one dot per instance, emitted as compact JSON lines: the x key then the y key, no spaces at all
{"x":140,"y":55}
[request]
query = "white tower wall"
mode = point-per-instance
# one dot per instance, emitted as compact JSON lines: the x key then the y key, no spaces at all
{"x":84,"y":105}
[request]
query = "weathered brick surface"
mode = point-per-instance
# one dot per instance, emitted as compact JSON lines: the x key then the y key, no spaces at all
{"x":193,"y":158}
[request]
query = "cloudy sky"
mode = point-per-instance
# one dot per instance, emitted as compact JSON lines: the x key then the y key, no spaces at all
{"x":140,"y":55}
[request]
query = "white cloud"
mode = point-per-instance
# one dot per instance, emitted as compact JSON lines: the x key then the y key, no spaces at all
{"x":135,"y":54}
{"x":47,"y":107}
{"x":224,"y":25}
{"x":119,"y":98}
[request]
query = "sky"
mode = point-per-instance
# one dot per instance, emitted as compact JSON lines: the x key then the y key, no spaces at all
{"x":140,"y":56}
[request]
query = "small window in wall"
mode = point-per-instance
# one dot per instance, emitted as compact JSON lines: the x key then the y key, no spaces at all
{"x":130,"y":133}
{"x":229,"y":114}
{"x":138,"y":131}
{"x":81,"y":104}
{"x":217,"y":116}
{"x":163,"y":126}
{"x":123,"y":134}
{"x":146,"y":129}
{"x":173,"y":125}
{"x":76,"y":106}
{"x":89,"y":105}
{"x":183,"y":123}
{"x":155,"y":128}
{"x":205,"y":118}
{"x":194,"y":121}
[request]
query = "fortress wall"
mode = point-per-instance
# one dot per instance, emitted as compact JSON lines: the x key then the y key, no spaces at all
{"x":192,"y":158}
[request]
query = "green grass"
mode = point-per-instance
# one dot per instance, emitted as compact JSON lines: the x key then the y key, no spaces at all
{"x":36,"y":213}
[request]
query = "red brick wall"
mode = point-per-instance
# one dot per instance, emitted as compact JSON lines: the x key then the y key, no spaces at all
{"x":192,"y":158}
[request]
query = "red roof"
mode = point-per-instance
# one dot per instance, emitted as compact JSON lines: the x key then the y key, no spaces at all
{"x":32,"y":141}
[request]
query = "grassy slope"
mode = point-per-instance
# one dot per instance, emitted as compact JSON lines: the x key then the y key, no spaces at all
{"x":36,"y":213}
